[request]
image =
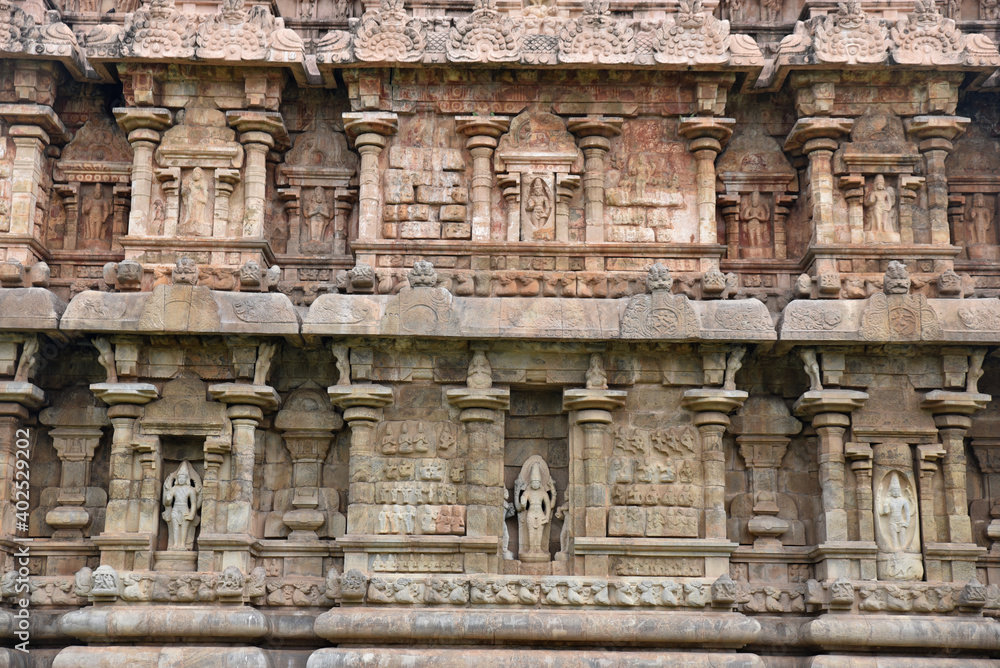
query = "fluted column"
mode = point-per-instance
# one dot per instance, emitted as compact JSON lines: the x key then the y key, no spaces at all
{"x":830,"y":412}
{"x":711,"y":408}
{"x":482,"y":412}
{"x":143,"y":126}
{"x":936,"y":134}
{"x":707,"y":136}
{"x":817,"y":139}
{"x":595,"y":133}
{"x":370,"y":131}
{"x":483,"y":133}
{"x":953,"y":413}
{"x":590,"y":412}
{"x":122,"y":540}
{"x":230,"y":545}
{"x":362,"y":405}
{"x":260,"y":131}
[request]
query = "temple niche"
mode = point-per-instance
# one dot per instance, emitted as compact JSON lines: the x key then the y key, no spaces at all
{"x":91,"y":185}
{"x":649,"y":185}
{"x":974,"y":194}
{"x":761,"y":186}
{"x":538,"y":166}
{"x":198,"y":176}
{"x":316,"y":185}
{"x":879,"y":185}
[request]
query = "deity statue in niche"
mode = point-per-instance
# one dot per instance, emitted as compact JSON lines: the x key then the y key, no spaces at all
{"x":181,"y":503}
{"x":538,"y":206}
{"x":195,"y":195}
{"x":159,"y":216}
{"x":771,"y":10}
{"x":756,"y":215}
{"x":534,"y":500}
{"x":96,"y":211}
{"x":880,"y":202}
{"x":980,"y":220}
{"x":898,"y":512}
{"x":318,"y":212}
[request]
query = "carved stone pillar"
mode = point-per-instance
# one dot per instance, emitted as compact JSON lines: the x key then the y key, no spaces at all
{"x":122,"y":545}
{"x":143,"y":126}
{"x":830,"y":411}
{"x":817,"y":138}
{"x":75,"y":431}
{"x":369,"y":130}
{"x":953,"y":417}
{"x":258,"y":133}
{"x":711,"y":408}
{"x":909,"y":189}
{"x":230,"y":545}
{"x":707,"y":136}
{"x":483,"y":415}
{"x":362,"y":405}
{"x":936,"y":134}
{"x":17,"y":399}
{"x":730,"y":204}
{"x":928,"y":455}
{"x":566,"y":185}
{"x":595,"y":133}
{"x":590,"y":417}
{"x":483,"y":133}
{"x":860,"y":455}
{"x":511,"y":187}
{"x":853,"y":187}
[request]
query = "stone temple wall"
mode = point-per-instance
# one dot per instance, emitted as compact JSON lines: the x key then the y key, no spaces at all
{"x":541,"y":333}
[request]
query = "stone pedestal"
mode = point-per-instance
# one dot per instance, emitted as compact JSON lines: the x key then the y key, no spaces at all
{"x":830,"y":413}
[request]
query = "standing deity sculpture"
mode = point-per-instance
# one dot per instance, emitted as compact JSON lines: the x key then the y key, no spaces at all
{"x":539,"y":208}
{"x":181,"y":503}
{"x":96,"y":211}
{"x":980,"y":220}
{"x":756,"y":215}
{"x":534,"y":500}
{"x":771,"y":10}
{"x":318,"y":213}
{"x":898,"y":513}
{"x":195,"y":195}
{"x":597,"y":377}
{"x":881,"y":200}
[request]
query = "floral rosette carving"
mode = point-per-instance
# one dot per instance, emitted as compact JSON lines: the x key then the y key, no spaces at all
{"x":692,"y":37}
{"x":925,"y":37}
{"x":387,"y":34}
{"x":849,"y":36}
{"x":596,"y":38}
{"x":233,"y":34}
{"x":158,"y":30}
{"x":486,"y":35}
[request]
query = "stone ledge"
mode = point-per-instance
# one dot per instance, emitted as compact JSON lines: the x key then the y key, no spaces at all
{"x":937,"y":633}
{"x":705,"y":630}
{"x":512,"y":658}
{"x":155,"y":657}
{"x":165,"y":624}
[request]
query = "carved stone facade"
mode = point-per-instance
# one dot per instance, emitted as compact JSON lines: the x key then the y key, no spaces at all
{"x":658,"y":333}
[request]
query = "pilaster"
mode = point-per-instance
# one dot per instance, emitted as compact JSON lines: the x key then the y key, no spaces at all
{"x":143,"y":126}
{"x":483,"y":133}
{"x":370,"y":131}
{"x":595,"y":133}
{"x":707,"y":136}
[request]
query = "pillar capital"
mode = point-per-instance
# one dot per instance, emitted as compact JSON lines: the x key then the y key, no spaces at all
{"x":34,"y":120}
{"x":706,"y":127}
{"x":261,"y":396}
{"x":359,"y":396}
{"x":596,"y":126}
{"x":807,"y":129}
{"x":714,"y":400}
{"x":482,"y":126}
{"x":493,"y":398}
{"x":814,"y":402}
{"x":114,"y":394}
{"x":593,"y":405}
{"x":360,"y":123}
{"x":937,"y":127}
{"x":135,"y":118}
{"x":253,"y":123}
{"x":943,"y":402}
